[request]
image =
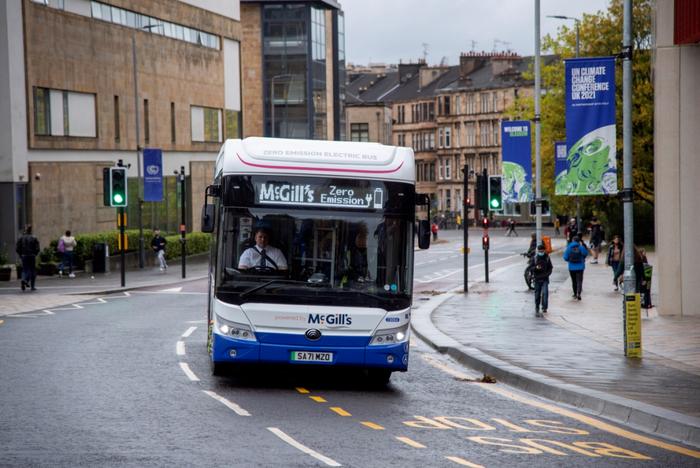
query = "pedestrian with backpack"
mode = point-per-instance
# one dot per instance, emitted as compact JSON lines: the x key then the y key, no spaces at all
{"x":541,"y":270}
{"x":575,"y":254}
{"x":66,"y":245}
{"x":28,"y":248}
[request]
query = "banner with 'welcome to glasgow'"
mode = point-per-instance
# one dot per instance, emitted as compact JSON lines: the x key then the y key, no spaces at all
{"x":517,"y":161}
{"x":590,"y":167}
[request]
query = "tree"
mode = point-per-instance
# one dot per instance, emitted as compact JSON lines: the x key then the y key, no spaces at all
{"x":600,"y":35}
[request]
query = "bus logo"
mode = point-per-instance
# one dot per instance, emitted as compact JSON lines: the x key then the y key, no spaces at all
{"x":313,"y":334}
{"x":330,"y":319}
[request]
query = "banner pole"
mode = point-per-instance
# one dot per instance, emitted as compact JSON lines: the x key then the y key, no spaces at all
{"x":538,"y":162}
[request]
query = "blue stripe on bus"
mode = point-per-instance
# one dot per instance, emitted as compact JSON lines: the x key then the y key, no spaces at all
{"x":361,"y":355}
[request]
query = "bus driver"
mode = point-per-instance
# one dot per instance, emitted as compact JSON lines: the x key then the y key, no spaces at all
{"x":262,"y":255}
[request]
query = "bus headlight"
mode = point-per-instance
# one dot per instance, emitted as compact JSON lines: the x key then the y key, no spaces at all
{"x":239,"y":331}
{"x":390,"y":336}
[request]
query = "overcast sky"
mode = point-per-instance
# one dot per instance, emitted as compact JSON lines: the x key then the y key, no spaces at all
{"x":392,"y":30}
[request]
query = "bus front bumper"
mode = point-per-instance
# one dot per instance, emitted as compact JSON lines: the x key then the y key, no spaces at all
{"x":230,"y":350}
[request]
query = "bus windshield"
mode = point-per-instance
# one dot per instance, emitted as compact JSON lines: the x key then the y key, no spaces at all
{"x":314,"y":257}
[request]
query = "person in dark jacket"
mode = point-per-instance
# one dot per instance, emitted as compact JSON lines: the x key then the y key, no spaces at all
{"x":615,"y":254}
{"x":28,"y":248}
{"x":597,"y":236}
{"x":541,"y":270}
{"x":575,"y":254}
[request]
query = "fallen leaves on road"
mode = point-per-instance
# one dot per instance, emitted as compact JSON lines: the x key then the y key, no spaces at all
{"x":485,"y":379}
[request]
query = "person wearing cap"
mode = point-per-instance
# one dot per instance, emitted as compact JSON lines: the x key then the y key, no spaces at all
{"x":262,"y":255}
{"x":541,"y":269}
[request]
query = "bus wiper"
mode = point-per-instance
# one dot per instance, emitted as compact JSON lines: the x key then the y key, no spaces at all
{"x":266,"y":284}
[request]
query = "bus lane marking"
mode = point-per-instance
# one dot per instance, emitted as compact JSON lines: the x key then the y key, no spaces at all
{"x":340,"y":411}
{"x":180,"y":348}
{"x":229,"y":404}
{"x":302,"y":390}
{"x":463,"y":462}
{"x":299,"y":446}
{"x":189,"y":332}
{"x":188,"y":372}
{"x":588,"y":420}
{"x":410,"y":442}
{"x":372,"y":425}
{"x":318,"y":399}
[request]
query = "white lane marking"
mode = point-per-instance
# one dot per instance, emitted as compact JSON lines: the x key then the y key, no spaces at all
{"x":303,"y":448}
{"x":229,"y":404}
{"x":189,"y":332}
{"x":478,"y":265}
{"x":188,"y":372}
{"x":175,"y":290}
{"x":180,"y":348}
{"x":191,"y":293}
{"x":196,"y":321}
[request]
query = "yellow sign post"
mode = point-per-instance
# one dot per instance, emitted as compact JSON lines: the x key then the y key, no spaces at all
{"x":633,"y":326}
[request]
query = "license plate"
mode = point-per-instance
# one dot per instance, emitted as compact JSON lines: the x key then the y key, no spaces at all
{"x":311,"y":356}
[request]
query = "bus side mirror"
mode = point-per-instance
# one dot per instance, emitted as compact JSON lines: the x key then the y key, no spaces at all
{"x":423,"y":234}
{"x":208,"y":218}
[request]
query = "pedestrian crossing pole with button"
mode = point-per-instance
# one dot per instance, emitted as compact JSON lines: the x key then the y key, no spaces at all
{"x":485,"y":244}
{"x":465,"y":224}
{"x":183,"y":227}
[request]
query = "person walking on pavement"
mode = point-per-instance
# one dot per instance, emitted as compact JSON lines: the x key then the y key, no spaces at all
{"x":615,"y":253}
{"x":541,"y":270}
{"x":571,"y":230}
{"x":28,"y":248}
{"x":596,"y":238}
{"x":511,"y":228}
{"x":575,"y":254}
{"x":158,"y":245}
{"x":557,"y":224}
{"x":66,"y":245}
{"x":434,"y":229}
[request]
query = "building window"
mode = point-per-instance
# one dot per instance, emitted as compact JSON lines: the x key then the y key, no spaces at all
{"x":458,"y":104}
{"x":495,"y":127}
{"x":441,"y":138}
{"x":448,"y":137}
{"x":448,"y":200}
{"x":448,"y":168}
{"x":441,"y":169}
{"x":495,"y":102}
{"x":484,"y":132}
{"x":146,"y":126}
{"x":232,"y":123}
{"x":318,"y":34}
{"x":206,"y":124}
{"x":471,"y":107}
{"x":431,"y":111}
{"x":145,"y":23}
{"x":172,"y":122}
{"x":58,"y":4}
{"x":447,"y":105}
{"x":431,"y":172}
{"x":64,"y":113}
{"x":485,"y":102}
{"x":471,"y":133}
{"x":359,"y":132}
{"x":117,"y":133}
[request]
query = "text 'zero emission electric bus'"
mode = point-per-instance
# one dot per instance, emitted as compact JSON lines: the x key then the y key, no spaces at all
{"x":313,"y":255}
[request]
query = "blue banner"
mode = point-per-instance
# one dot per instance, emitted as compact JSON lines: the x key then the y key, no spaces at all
{"x":152,"y":175}
{"x":590,"y":128}
{"x":517,"y":161}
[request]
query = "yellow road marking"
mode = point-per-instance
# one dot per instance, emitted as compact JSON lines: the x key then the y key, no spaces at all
{"x":410,"y":442}
{"x":340,"y":411}
{"x":371,"y":425}
{"x":463,"y":462}
{"x":302,"y":390}
{"x":318,"y":399}
{"x":603,"y":426}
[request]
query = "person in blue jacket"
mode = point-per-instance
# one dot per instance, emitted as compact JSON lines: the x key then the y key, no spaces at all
{"x":575,"y":254}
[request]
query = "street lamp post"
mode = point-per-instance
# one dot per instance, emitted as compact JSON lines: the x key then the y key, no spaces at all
{"x":578,"y":50}
{"x":272,"y":100}
{"x":139,"y":201}
{"x":538,"y":160}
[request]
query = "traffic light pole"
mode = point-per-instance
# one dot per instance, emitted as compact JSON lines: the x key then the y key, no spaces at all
{"x":183,"y":252}
{"x":485,"y":239}
{"x":465,"y":225}
{"x":122,"y":256}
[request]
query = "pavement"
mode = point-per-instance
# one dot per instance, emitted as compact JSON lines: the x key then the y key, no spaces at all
{"x":575,"y":355}
{"x":56,"y":291}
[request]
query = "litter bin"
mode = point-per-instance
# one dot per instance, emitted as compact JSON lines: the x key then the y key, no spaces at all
{"x":99,"y":257}
{"x":547,"y":241}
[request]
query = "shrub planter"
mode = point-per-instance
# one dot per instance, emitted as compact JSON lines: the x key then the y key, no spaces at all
{"x":5,"y":273}
{"x":47,"y":269}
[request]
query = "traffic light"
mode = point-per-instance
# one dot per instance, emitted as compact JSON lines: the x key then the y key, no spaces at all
{"x":485,"y":223}
{"x":485,"y":242}
{"x":545,"y":208}
{"x":481,"y":194}
{"x":117,"y":187}
{"x":495,"y":193}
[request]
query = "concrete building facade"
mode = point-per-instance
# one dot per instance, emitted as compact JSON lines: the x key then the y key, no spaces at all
{"x":69,"y":106}
{"x":676,"y":161}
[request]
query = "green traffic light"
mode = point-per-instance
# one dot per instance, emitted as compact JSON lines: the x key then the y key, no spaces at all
{"x":118,"y":198}
{"x":494,"y":203}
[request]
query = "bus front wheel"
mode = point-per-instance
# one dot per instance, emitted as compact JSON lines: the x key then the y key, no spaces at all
{"x":379,"y":377}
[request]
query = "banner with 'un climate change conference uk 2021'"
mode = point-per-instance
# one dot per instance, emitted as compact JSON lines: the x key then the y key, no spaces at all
{"x":591,"y":167}
{"x":517,"y":161}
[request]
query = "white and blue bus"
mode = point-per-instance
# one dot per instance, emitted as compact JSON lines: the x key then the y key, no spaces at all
{"x":313,"y":255}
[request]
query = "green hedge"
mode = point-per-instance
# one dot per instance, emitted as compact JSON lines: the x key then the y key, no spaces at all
{"x":197,"y":242}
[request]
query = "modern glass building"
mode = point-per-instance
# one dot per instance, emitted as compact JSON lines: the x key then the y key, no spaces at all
{"x":300,"y":65}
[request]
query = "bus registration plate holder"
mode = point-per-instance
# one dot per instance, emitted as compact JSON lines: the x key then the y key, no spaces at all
{"x":311,"y":356}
